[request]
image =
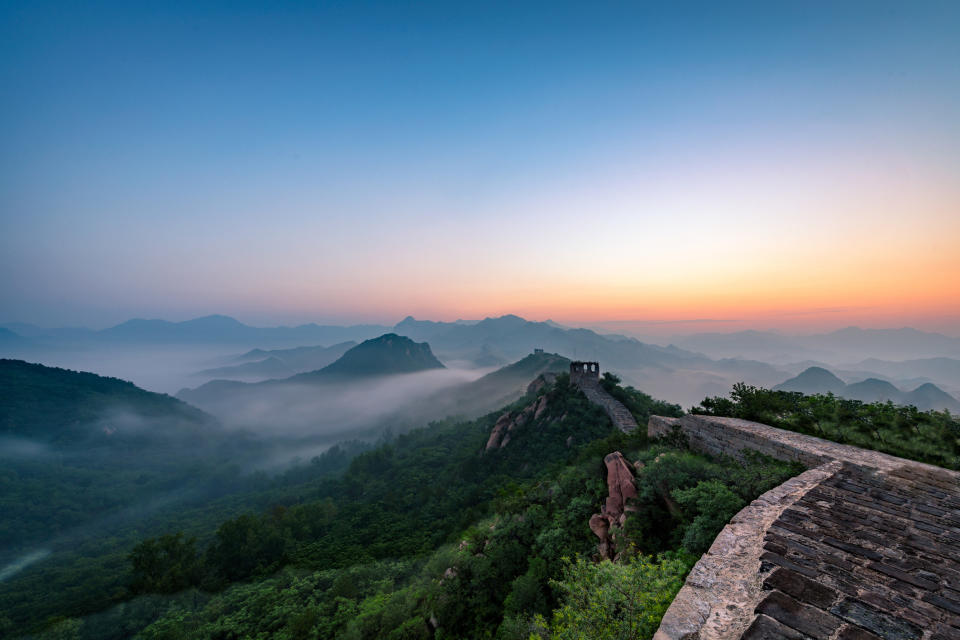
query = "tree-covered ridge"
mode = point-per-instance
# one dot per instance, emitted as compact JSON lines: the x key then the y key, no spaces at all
{"x":88,"y":464}
{"x":432,"y":536}
{"x":905,"y":431}
{"x":59,"y":405}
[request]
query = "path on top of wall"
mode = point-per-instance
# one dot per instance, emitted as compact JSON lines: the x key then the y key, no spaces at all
{"x":619,"y":414}
{"x":863,"y":546}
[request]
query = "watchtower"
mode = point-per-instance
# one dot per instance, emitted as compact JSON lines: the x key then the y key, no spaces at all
{"x":584,"y":372}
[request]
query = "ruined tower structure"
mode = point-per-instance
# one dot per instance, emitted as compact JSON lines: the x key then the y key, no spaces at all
{"x":584,"y":372}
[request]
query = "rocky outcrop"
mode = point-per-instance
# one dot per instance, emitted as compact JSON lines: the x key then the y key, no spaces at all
{"x":541,"y":382}
{"x":503,"y":429}
{"x":621,"y":488}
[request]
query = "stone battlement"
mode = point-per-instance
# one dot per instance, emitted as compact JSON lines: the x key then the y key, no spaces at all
{"x":581,"y":372}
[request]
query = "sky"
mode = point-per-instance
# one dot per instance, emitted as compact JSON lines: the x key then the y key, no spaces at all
{"x":676,"y":166}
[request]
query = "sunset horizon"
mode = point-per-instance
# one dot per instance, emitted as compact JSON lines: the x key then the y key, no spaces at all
{"x":787,"y":168}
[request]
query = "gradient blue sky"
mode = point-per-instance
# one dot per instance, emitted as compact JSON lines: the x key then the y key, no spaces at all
{"x":773,"y":164}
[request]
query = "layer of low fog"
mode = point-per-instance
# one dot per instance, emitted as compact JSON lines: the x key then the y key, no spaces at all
{"x":345,"y":409}
{"x":163,"y":369}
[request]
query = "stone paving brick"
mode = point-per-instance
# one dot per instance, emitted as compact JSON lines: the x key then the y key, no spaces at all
{"x":766,"y":628}
{"x":804,"y":618}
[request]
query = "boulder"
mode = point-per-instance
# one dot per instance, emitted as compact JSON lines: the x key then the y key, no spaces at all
{"x":620,"y":483}
{"x":621,"y":487}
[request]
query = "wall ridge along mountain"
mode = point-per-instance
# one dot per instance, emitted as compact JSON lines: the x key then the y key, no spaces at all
{"x":586,"y":376}
{"x":863,"y":545}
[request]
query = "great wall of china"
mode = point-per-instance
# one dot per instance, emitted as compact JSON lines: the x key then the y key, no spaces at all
{"x":861,"y":546}
{"x":586,"y":376}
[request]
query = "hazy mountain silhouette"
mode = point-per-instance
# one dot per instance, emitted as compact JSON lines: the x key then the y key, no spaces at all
{"x":386,"y":355}
{"x":516,"y":337}
{"x":942,"y":371}
{"x":874,"y":390}
{"x":818,"y":380}
{"x":208,"y":330}
{"x":279,"y":363}
{"x":813,"y":380}
{"x":841,"y":345}
{"x":10,"y":339}
{"x":930,"y":395}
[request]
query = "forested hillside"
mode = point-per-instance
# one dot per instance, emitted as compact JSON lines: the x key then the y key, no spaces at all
{"x":437,"y":534}
{"x":88,"y":463}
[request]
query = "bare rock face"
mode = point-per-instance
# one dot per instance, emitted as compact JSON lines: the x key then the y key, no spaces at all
{"x":601,"y":527}
{"x":506,"y":424}
{"x":541,"y":407}
{"x":499,"y":431}
{"x":620,"y":483}
{"x":541,"y":382}
{"x":621,"y":487}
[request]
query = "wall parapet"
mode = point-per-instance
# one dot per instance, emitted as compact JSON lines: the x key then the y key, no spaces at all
{"x":861,"y":545}
{"x":729,"y":436}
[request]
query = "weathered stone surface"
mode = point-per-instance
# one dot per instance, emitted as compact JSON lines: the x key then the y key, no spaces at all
{"x":766,"y":628}
{"x":804,"y":618}
{"x":886,"y":626}
{"x":541,"y":407}
{"x":503,"y":429}
{"x":599,"y":525}
{"x":800,"y":587}
{"x":869,"y":549}
{"x":498,"y":431}
{"x":620,"y":483}
{"x":730,"y":436}
{"x":621,"y":487}
{"x":851,"y":632}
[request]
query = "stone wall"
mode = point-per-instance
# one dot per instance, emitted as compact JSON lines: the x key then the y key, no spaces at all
{"x":862,"y":546}
{"x":586,"y":376}
{"x":730,"y":436}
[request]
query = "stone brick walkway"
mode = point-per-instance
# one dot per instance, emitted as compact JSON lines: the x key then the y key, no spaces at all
{"x":862,"y":546}
{"x":864,"y":556}
{"x":619,"y":414}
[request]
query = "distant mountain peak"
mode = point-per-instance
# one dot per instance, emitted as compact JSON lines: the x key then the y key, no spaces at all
{"x":819,"y":380}
{"x":388,"y":354}
{"x":813,"y":380}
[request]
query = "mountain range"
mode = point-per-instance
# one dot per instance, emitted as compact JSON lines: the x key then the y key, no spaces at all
{"x":685,"y":372}
{"x":819,"y":380}
{"x":278,"y":363}
{"x":843,"y":345}
{"x":208,"y":330}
